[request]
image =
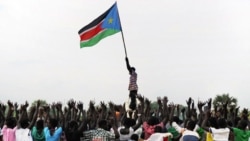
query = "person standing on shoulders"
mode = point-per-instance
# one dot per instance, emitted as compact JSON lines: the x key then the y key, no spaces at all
{"x":133,"y":88}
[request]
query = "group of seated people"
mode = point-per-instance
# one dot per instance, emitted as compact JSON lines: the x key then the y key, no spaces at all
{"x":110,"y":122}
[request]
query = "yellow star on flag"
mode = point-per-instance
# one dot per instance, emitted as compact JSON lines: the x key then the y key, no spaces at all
{"x":110,"y":20}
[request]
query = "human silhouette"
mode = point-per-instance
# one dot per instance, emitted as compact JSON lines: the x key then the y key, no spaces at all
{"x":133,"y":87}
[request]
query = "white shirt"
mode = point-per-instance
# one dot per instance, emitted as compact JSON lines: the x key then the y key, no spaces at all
{"x":125,"y":136}
{"x":221,"y":134}
{"x":158,"y":136}
{"x":23,"y":135}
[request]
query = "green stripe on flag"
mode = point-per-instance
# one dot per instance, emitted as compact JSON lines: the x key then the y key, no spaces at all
{"x":98,"y":37}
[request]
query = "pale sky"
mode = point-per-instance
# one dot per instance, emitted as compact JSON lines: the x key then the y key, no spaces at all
{"x":181,"y":49}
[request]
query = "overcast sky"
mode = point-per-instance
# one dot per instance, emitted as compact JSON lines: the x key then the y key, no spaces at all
{"x":181,"y":49}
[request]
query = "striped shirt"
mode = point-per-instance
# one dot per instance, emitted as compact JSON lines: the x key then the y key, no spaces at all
{"x":98,"y":135}
{"x":132,"y":81}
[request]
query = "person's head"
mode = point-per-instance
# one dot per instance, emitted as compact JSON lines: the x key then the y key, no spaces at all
{"x":153,"y":121}
{"x":222,"y":123}
{"x":133,"y":68}
{"x":52,"y":123}
{"x":10,"y":122}
{"x":191,"y":125}
{"x":242,"y":124}
{"x":237,"y":120}
{"x":40,"y":124}
{"x":24,"y":123}
{"x":212,"y":122}
{"x":73,"y":125}
{"x":158,"y":129}
{"x":176,"y":119}
{"x":103,"y":124}
{"x":134,"y":137}
{"x":127,"y":122}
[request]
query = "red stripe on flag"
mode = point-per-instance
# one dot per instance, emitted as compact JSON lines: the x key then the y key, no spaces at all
{"x":91,"y":33}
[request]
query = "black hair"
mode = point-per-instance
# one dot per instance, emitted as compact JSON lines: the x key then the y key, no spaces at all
{"x":73,"y":124}
{"x":11,"y":122}
{"x":222,"y":123}
{"x":103,"y":124}
{"x":158,"y":129}
{"x":176,"y":119}
{"x":133,"y":68}
{"x":212,"y":122}
{"x":53,"y":122}
{"x":242,"y":124}
{"x":153,"y":120}
{"x":191,"y":125}
{"x":40,"y":124}
{"x":24,"y":123}
{"x":134,"y":137}
{"x":236,"y":120}
{"x":127,"y":122}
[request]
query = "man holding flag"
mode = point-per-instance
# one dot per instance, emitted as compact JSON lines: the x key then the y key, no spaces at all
{"x":103,"y":26}
{"x":133,"y":88}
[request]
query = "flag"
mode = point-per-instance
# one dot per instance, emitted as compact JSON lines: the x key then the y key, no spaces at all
{"x":105,"y":25}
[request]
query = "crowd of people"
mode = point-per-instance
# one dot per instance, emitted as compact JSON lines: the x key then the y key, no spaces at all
{"x":108,"y":121}
{"x":133,"y":120}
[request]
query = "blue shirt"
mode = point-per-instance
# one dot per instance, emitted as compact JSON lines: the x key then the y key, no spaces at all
{"x":55,"y":137}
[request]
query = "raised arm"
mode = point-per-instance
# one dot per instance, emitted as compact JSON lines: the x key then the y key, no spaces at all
{"x":83,"y":113}
{"x":10,"y":109}
{"x":2,"y":116}
{"x":128,"y":65}
{"x":34,"y":117}
{"x":204,"y":122}
{"x":61,"y":115}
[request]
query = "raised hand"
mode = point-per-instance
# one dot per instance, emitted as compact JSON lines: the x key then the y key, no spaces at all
{"x":10,"y":104}
{"x":38,"y":103}
{"x":16,"y":106}
{"x":92,"y":106}
{"x":111,"y":105}
{"x":192,"y":104}
{"x":209,"y":103}
{"x":46,"y":108}
{"x":172,"y":105}
{"x":200,"y":104}
{"x":225,"y":104}
{"x":183,"y":110}
{"x":80,"y":105}
{"x":23,"y":107}
{"x":59,"y":106}
{"x":26,"y":104}
{"x":69,"y":104}
{"x":189,"y":101}
{"x":159,"y":102}
{"x":4,"y":107}
{"x":141,"y":99}
{"x":165,"y":100}
{"x":103,"y":106}
{"x":53,"y":105}
{"x":245,"y":114}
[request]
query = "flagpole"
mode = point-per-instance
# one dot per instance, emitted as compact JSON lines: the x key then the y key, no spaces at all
{"x":124,"y":45}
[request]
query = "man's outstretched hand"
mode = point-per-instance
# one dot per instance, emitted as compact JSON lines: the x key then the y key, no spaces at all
{"x":126,"y":58}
